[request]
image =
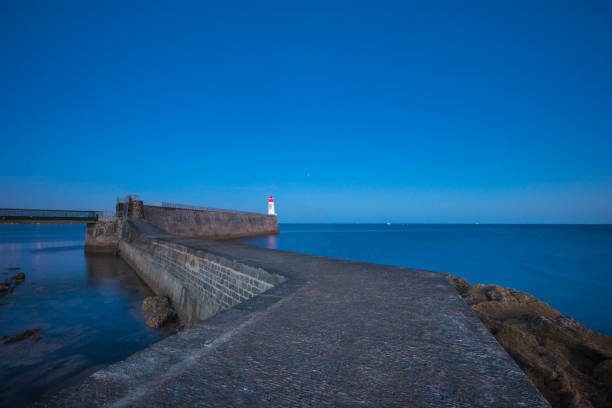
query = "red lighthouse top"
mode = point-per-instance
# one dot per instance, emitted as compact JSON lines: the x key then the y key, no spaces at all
{"x":270,"y":200}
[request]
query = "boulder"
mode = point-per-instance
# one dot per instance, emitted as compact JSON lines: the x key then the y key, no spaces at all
{"x":570,"y":364}
{"x":158,"y":311}
{"x":5,"y":287}
{"x":18,"y":278}
{"x":32,"y":334}
{"x":603,"y":372}
{"x":461,"y":284}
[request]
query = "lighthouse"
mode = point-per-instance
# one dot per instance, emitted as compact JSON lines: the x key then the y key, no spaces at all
{"x":271,"y":206}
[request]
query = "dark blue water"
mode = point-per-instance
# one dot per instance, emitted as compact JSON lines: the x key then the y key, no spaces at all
{"x":88,"y":307}
{"x":568,"y":266}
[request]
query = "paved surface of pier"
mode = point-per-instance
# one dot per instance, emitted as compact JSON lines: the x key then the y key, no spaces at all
{"x":337,"y":333}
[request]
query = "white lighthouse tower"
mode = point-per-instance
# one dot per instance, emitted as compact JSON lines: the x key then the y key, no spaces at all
{"x":271,"y":206}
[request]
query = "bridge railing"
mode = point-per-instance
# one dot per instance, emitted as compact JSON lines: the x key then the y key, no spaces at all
{"x":107,"y":213}
{"x":166,"y":204}
{"x":33,"y":214}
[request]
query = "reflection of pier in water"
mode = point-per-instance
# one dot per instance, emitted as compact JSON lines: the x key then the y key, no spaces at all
{"x":272,"y":241}
{"x":113,"y":276}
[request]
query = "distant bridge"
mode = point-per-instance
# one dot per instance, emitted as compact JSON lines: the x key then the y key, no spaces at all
{"x":30,"y":216}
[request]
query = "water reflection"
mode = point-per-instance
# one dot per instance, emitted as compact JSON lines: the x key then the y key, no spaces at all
{"x":87,"y":306}
{"x":272,"y":241}
{"x":107,"y":272}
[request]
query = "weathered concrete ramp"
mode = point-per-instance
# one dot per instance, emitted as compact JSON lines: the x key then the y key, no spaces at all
{"x":336,"y":333}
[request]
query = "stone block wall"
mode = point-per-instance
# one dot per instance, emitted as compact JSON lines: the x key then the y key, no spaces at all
{"x":103,"y":236}
{"x":210,"y":224}
{"x":200,"y":284}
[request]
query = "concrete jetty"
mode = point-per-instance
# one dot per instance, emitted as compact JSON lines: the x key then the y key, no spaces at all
{"x":289,"y":329}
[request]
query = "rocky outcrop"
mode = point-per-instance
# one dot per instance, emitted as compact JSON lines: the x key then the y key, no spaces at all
{"x":158,"y":311}
{"x":5,"y":288}
{"x":570,"y":364}
{"x":9,"y":285}
{"x":32,"y":334}
{"x":18,"y":278}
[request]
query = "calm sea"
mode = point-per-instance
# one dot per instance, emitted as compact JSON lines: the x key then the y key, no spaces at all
{"x":88,"y":307}
{"x":568,"y":266}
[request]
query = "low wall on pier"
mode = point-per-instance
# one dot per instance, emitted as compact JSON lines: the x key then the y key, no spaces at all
{"x":210,"y":224}
{"x":199,"y":283}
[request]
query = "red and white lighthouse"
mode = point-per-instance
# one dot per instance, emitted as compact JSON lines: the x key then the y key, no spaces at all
{"x":271,"y":206}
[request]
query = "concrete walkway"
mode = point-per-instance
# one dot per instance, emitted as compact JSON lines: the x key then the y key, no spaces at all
{"x":337,"y":333}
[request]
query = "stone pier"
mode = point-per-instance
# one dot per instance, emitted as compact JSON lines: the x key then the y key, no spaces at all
{"x":299,"y":330}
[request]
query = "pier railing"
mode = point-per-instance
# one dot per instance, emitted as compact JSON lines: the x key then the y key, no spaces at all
{"x":166,"y":204}
{"x":21,"y":214}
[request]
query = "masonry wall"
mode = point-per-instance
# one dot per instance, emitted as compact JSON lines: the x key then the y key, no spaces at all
{"x":200,"y":284}
{"x":209,"y":224}
{"x":103,"y":236}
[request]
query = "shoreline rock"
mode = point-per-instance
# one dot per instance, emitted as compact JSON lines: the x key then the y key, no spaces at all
{"x":32,"y":334}
{"x":9,"y":285}
{"x":158,"y":311}
{"x":570,"y":364}
{"x":18,"y":278}
{"x":5,"y":288}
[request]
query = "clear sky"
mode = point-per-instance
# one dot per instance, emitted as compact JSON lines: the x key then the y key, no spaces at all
{"x":492,"y":111}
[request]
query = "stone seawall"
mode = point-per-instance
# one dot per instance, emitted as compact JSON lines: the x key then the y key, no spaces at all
{"x":103,"y":236}
{"x":210,"y":224}
{"x":199,"y":283}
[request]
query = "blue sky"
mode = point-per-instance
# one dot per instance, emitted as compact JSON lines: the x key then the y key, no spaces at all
{"x":344,"y":111}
